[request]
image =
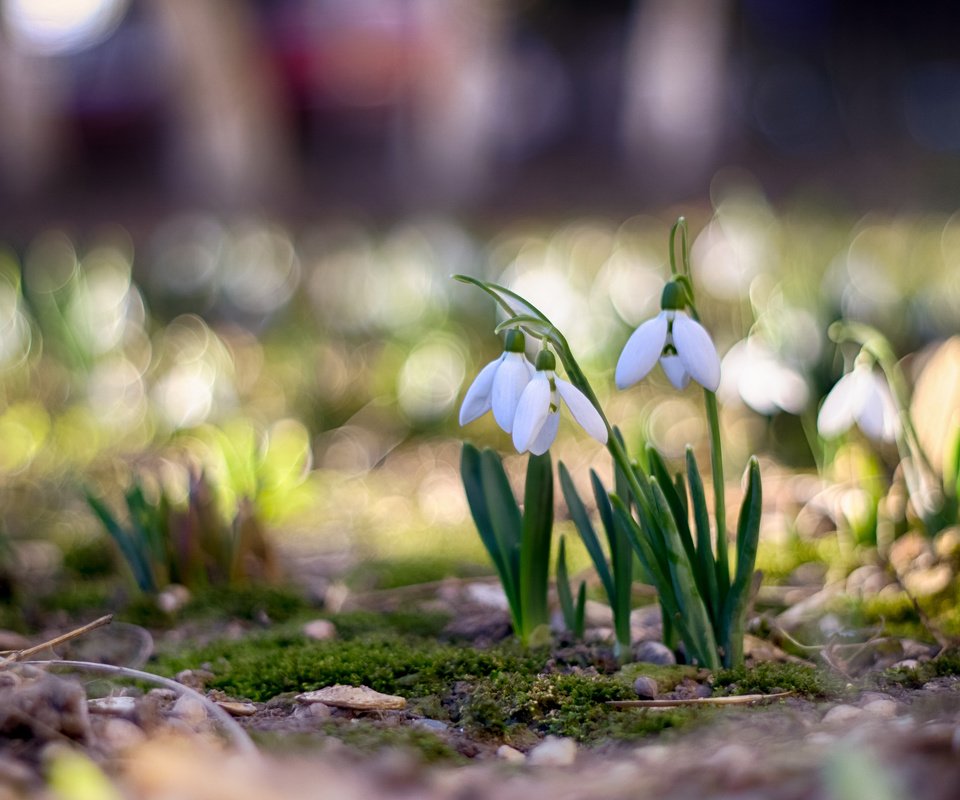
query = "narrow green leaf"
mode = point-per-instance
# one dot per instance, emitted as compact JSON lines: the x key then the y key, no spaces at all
{"x":702,"y":642}
{"x":573,"y":612}
{"x":471,"y":474}
{"x":131,"y":550}
{"x":621,"y":563}
{"x":701,"y":519}
{"x":509,"y":300}
{"x":580,"y":517}
{"x":580,"y":618}
{"x":677,"y":506}
{"x":748,"y":538}
{"x":671,"y":608}
{"x":535,"y":538}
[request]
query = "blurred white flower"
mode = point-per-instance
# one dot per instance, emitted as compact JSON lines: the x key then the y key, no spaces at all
{"x":681,"y":345}
{"x":860,"y":397}
{"x":753,"y":374}
{"x":538,"y":412}
{"x":499,"y":385}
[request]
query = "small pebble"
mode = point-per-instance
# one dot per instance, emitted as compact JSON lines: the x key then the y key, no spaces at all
{"x":114,"y":706}
{"x":190,"y":710}
{"x":320,"y":630}
{"x":173,"y":598}
{"x":237,"y":709}
{"x":194,"y":678}
{"x":312,"y":711}
{"x":883,"y":708}
{"x":427,"y":724}
{"x":510,"y":754}
{"x":654,"y":653}
{"x":120,"y":734}
{"x":653,"y":754}
{"x":841,"y":715}
{"x":356,"y":698}
{"x":554,"y":752}
{"x":646,"y":687}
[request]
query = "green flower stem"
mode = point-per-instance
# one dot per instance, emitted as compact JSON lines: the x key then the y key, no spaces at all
{"x":719,"y":495}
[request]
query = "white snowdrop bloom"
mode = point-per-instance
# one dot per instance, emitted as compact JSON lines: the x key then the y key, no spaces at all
{"x":862,"y":397}
{"x":499,"y":385}
{"x":538,"y":412}
{"x":681,"y":345}
{"x":754,"y":374}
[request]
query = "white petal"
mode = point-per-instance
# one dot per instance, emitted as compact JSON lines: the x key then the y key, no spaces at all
{"x":547,"y":434}
{"x":841,"y":406}
{"x":511,"y":379}
{"x":583,"y":410}
{"x":877,"y":416}
{"x":696,"y":351}
{"x":532,"y":412}
{"x":675,"y":372}
{"x":641,"y":351}
{"x":476,"y":402}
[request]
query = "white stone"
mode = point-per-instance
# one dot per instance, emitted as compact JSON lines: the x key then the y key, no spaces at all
{"x":357,"y":698}
{"x":320,"y":630}
{"x":554,"y":752}
{"x":114,"y":706}
{"x":883,"y":709}
{"x":510,"y":754}
{"x":190,"y":710}
{"x":841,"y":715}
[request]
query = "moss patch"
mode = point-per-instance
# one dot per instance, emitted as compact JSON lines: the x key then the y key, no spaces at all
{"x":947,"y":664}
{"x":511,"y":707}
{"x":261,"y":667}
{"x":769,"y":677}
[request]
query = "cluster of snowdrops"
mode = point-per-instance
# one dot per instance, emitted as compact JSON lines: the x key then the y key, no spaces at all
{"x":657,"y":518}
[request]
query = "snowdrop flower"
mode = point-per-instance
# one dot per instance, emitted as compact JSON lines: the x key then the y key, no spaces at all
{"x":860,"y":397}
{"x":754,"y":374}
{"x":681,"y":345}
{"x":538,"y":412}
{"x":499,"y":385}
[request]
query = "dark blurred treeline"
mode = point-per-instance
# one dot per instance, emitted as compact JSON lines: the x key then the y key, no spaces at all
{"x":126,"y":110}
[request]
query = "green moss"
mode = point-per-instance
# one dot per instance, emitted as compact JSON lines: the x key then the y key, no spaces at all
{"x":352,"y":624}
{"x":947,"y":664}
{"x":769,"y":677}
{"x":509,"y":707}
{"x":253,"y":602}
{"x":261,"y":667}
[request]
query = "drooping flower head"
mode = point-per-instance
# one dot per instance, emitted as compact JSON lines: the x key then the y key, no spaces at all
{"x":680,"y":343}
{"x":862,"y":397}
{"x":538,"y":412}
{"x":499,"y":385}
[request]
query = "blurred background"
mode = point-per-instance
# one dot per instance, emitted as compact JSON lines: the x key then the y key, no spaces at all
{"x":127,"y":110}
{"x":228,"y":228}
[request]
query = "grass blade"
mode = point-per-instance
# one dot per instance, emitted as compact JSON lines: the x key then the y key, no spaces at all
{"x":621,"y":563}
{"x":748,"y":538}
{"x":129,"y":547}
{"x":702,"y":641}
{"x":701,"y":518}
{"x":580,"y":517}
{"x":676,"y":504}
{"x":573,"y":613}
